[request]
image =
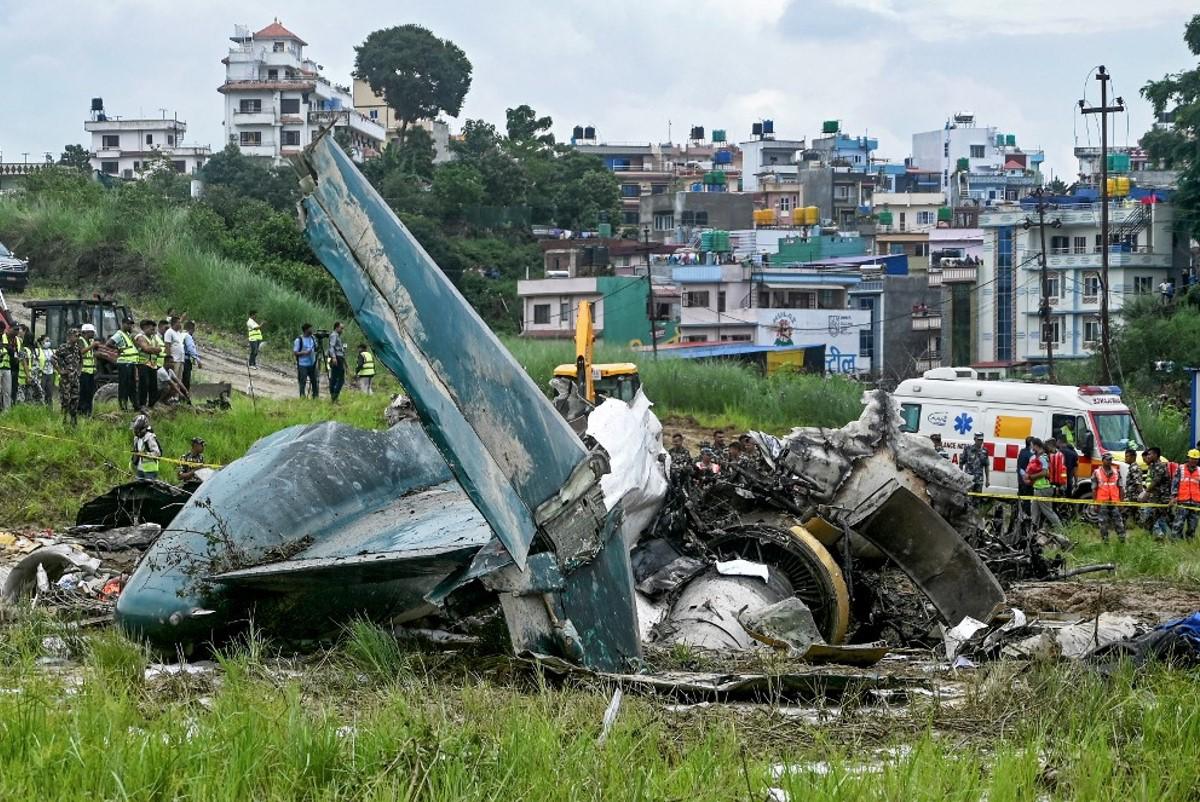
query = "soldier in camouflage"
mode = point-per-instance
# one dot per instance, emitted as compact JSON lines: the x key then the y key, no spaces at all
{"x":681,"y":458}
{"x":1135,"y":483}
{"x":1158,"y":491}
{"x":975,"y":464}
{"x":68,"y":361}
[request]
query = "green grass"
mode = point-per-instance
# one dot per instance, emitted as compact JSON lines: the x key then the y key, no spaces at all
{"x":261,"y":728}
{"x":47,"y":479}
{"x":1140,"y":557}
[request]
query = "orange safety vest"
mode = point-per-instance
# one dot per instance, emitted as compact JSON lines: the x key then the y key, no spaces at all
{"x":1058,"y":469}
{"x":1108,"y":487}
{"x":1189,"y":485}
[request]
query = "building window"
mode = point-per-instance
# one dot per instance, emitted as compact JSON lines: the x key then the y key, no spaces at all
{"x":920,"y":249}
{"x":1060,"y":244}
{"x":785,"y":204}
{"x":841,"y":192}
{"x":250,"y":137}
{"x":699,"y":298}
{"x":272,"y":75}
{"x":1091,"y":287}
{"x":1080,"y":245}
{"x":1143,"y":285}
{"x":658,"y":189}
{"x":289,"y":105}
{"x":924,"y":218}
{"x":564,"y":314}
{"x":977,"y":151}
{"x":112,"y":141}
{"x":276,"y":47}
{"x":630,"y":190}
{"x":1053,"y":285}
{"x":180,"y":166}
{"x":721,"y":301}
{"x":541,"y":314}
{"x":687,"y":218}
{"x":374,"y":114}
{"x":249,"y":106}
{"x":1091,"y":330}
{"x":1052,"y":332}
{"x":629,"y":218}
{"x":110,"y":168}
{"x":137,"y":166}
{"x":290,"y":139}
{"x":664,"y":221}
{"x":701,"y":218}
{"x":946,"y":148}
{"x":149,"y":139}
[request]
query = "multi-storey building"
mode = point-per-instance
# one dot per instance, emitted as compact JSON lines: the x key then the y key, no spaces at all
{"x":641,"y":169}
{"x":1143,"y":251}
{"x":976,"y":164}
{"x":949,"y":321}
{"x":277,"y":101}
{"x":376,"y":110}
{"x":130,"y":147}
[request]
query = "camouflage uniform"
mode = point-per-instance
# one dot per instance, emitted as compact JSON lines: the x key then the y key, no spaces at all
{"x":68,"y":361}
{"x":974,"y":464}
{"x":681,"y":460}
{"x":1158,"y":489}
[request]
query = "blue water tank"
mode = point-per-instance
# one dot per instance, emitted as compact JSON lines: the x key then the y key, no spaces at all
{"x":723,"y":157}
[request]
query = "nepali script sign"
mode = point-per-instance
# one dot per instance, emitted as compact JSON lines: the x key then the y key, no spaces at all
{"x":837,"y":329}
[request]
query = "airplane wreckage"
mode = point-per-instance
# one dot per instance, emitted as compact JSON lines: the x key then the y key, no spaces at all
{"x":492,"y":498}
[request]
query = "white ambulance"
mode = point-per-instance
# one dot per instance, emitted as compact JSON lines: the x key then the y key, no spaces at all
{"x":952,"y":402}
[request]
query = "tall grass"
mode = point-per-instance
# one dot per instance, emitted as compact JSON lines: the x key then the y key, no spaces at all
{"x":734,"y":394}
{"x":49,"y":469}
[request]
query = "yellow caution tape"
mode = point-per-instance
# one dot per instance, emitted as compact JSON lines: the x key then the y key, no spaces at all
{"x":89,"y":445}
{"x":1086,"y":501}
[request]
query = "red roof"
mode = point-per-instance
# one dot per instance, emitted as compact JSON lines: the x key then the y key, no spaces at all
{"x":277,"y":31}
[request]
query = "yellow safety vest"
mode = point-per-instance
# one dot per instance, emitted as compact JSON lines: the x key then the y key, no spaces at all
{"x":24,"y":364}
{"x":254,"y":334}
{"x":88,"y":366}
{"x":130,"y":355}
{"x":368,"y":366}
{"x":4,"y":365}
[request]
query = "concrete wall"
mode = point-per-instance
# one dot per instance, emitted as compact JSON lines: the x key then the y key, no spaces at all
{"x":902,"y":345}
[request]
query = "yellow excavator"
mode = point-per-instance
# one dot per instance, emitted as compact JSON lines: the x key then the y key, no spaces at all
{"x":595,"y":382}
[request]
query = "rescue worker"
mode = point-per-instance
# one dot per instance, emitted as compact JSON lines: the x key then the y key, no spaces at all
{"x":146,"y":451}
{"x":1186,"y":495}
{"x":1071,"y":462}
{"x":8,"y":360}
{"x":1038,"y":474}
{"x":936,"y":440}
{"x":29,"y":379}
{"x":706,"y":466}
{"x":1106,"y":484}
{"x":128,"y":360}
{"x":719,"y":446}
{"x":1135,"y":481}
{"x":975,"y":464}
{"x":364,"y":371}
{"x":44,"y":357}
{"x":68,"y":361}
{"x":191,"y":462}
{"x":752,"y":454}
{"x":304,"y":349}
{"x":149,"y":350}
{"x":87,"y":368}
{"x":1157,"y":491}
{"x":1058,"y":466}
{"x":678,"y":452}
{"x":335,"y":352}
{"x":254,"y":338}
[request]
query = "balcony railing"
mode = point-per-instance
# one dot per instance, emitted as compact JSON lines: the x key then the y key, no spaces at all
{"x":929,"y":362}
{"x":1117,"y":257}
{"x":926,"y":321}
{"x":963,"y":274}
{"x":935,"y":277}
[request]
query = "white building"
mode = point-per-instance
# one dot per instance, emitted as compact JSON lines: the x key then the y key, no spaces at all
{"x":130,"y":147}
{"x":277,"y":101}
{"x":769,"y":161}
{"x":975,"y":162}
{"x":1144,"y":250}
{"x":371,"y":105}
{"x":908,"y":211}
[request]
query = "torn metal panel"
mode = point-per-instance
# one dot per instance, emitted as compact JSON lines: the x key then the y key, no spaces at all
{"x":506,"y":444}
{"x":932,"y":554}
{"x":134,"y":503}
{"x":313,"y":525}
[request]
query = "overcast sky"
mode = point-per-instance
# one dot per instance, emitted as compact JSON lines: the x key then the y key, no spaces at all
{"x":633,"y":69}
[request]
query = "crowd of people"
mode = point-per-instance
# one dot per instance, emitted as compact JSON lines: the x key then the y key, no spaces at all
{"x":1048,"y":469}
{"x":310,"y":347}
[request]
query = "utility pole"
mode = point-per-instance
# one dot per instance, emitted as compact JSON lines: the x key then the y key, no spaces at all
{"x":1044,"y":309}
{"x":651,"y":310}
{"x":1104,"y":110}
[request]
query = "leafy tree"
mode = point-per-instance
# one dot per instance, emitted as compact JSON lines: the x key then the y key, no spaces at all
{"x":417,"y":74}
{"x":75,"y":156}
{"x":1176,"y":147}
{"x":251,"y":178}
{"x":456,"y":187}
{"x":1057,"y":187}
{"x":526,"y":129}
